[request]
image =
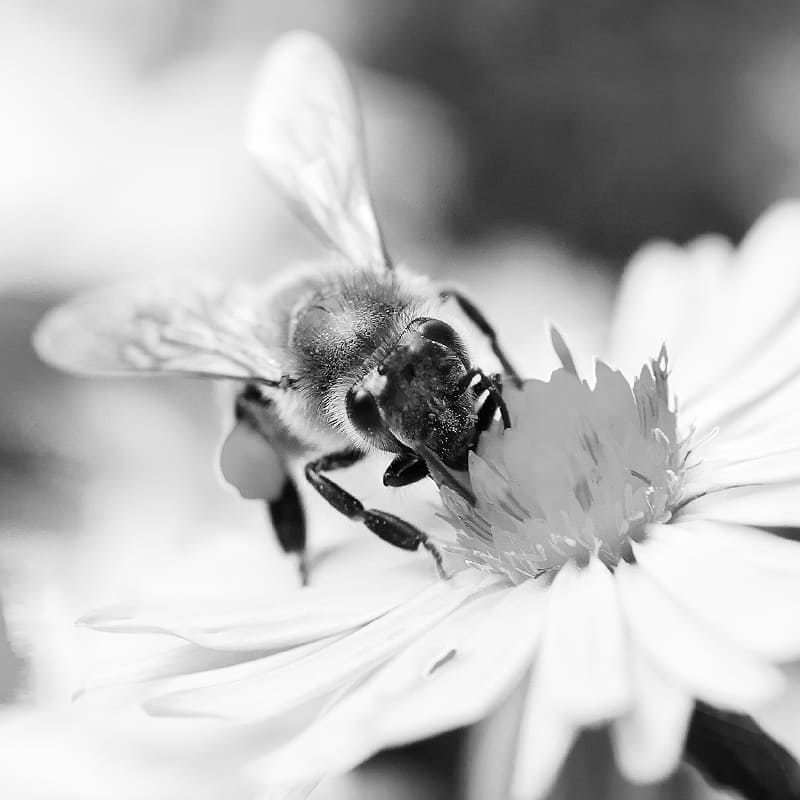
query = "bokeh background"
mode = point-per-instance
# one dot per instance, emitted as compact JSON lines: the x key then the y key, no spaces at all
{"x":517,"y":143}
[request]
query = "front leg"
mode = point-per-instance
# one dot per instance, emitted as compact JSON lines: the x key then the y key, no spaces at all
{"x":388,"y":527}
{"x":493,"y":386}
{"x":476,"y":317}
{"x":405,"y":469}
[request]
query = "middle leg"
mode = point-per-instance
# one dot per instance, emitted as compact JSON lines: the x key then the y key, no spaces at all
{"x":386,"y":526}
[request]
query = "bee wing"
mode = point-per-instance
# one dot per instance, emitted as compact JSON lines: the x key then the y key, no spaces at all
{"x":304,"y":129}
{"x":175,"y":327}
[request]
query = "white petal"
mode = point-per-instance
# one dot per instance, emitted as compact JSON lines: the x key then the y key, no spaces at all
{"x":178,"y":661}
{"x":775,"y":505}
{"x":287,"y":792}
{"x":756,"y":608}
{"x":450,"y":677}
{"x":767,"y":417}
{"x":197,"y":694}
{"x":581,"y":667}
{"x":491,"y":648}
{"x":296,"y":617}
{"x":759,"y":299}
{"x":745,"y":468}
{"x":490,"y":747}
{"x":767,"y":261}
{"x":662,"y":290}
{"x":66,"y":756}
{"x":545,"y":739}
{"x":648,"y":741}
{"x":761,"y":549}
{"x":733,"y":445}
{"x":756,"y":389}
{"x":737,"y":443}
{"x":699,"y":658}
{"x":273,"y":692}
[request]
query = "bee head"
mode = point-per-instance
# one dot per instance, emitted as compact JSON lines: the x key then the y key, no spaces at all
{"x":415,"y":398}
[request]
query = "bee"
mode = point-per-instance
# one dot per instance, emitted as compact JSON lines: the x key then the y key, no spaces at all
{"x":333,"y":360}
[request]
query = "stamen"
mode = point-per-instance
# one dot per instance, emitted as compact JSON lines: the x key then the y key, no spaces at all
{"x":643,"y":478}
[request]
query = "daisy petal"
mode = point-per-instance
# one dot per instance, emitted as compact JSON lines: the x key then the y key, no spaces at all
{"x":297,"y":617}
{"x":764,"y":290}
{"x":275,"y":691}
{"x":661,"y":291}
{"x":754,"y":391}
{"x":745,"y":545}
{"x":457,"y":676}
{"x":753,"y":607}
{"x":186,"y":659}
{"x":452,"y":676}
{"x":756,"y":467}
{"x":196,"y":683}
{"x":701,"y":660}
{"x":733,"y":445}
{"x":584,"y":627}
{"x":648,"y":741}
{"x":781,"y":432}
{"x":545,"y":738}
{"x":775,"y":505}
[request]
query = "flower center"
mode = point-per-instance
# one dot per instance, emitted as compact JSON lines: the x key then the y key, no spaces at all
{"x":581,"y":472}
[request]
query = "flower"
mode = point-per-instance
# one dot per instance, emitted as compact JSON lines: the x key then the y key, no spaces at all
{"x":608,"y":554}
{"x":59,"y":754}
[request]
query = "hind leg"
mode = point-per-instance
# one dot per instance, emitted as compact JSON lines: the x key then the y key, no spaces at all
{"x":254,"y":461}
{"x":289,"y":523}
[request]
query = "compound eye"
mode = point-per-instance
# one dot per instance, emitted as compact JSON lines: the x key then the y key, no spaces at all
{"x":434,"y":330}
{"x":363,"y":410}
{"x":438,"y":331}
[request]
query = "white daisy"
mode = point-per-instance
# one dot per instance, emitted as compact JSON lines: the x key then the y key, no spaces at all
{"x":611,"y":559}
{"x":60,"y":754}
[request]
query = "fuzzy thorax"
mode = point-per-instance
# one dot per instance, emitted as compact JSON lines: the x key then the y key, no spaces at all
{"x":581,"y":473}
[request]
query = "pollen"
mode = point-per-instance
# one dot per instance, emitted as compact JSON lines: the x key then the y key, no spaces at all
{"x":581,"y":472}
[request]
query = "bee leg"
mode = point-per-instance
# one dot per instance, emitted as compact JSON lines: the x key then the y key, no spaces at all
{"x":476,"y":317}
{"x":486,"y":414}
{"x":254,"y":461}
{"x":404,"y":470}
{"x":289,"y":524}
{"x":386,"y":526}
{"x":493,"y":386}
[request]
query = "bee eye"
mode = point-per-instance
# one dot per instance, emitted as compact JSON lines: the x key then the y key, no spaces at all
{"x":434,"y":330}
{"x":438,"y":331}
{"x":363,"y":410}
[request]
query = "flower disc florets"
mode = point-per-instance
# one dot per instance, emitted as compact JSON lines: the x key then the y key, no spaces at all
{"x":581,"y":472}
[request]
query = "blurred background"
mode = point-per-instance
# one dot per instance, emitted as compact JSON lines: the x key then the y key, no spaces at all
{"x":534,"y":144}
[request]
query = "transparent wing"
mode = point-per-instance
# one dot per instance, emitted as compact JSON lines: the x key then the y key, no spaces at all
{"x":304,"y":129}
{"x":160,"y":327}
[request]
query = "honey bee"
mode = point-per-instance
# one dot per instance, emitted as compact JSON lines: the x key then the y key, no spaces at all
{"x":338,"y":358}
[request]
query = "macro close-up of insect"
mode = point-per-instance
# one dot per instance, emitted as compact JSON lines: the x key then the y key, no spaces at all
{"x":378,"y":530}
{"x":334,"y":359}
